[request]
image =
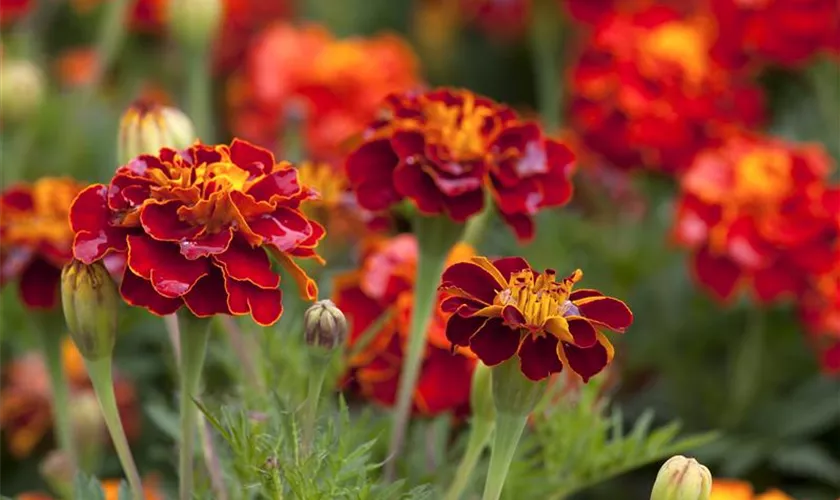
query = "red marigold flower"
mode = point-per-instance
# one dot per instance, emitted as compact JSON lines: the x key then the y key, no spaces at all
{"x":646,"y":92}
{"x":12,"y":10}
{"x":504,"y":308}
{"x":111,"y":489}
{"x":35,"y":237}
{"x":384,"y":282}
{"x":441,"y":149}
{"x":730,"y":489}
{"x":331,"y":88}
{"x":504,"y":18}
{"x":196,"y":226}
{"x":755,"y":211}
{"x":25,"y":413}
{"x":784,"y":32}
{"x":594,"y":11}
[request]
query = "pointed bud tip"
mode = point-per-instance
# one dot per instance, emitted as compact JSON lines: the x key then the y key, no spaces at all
{"x":682,"y":478}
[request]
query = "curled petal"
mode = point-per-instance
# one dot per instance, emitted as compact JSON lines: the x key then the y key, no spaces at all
{"x":242,"y":262}
{"x":306,"y":286}
{"x":607,"y":311}
{"x":513,"y":317}
{"x":161,"y":222}
{"x":586,"y":362}
{"x":89,"y":219}
{"x":508,"y":266}
{"x":473,"y":280}
{"x":460,"y":329}
{"x":208,"y":297}
{"x":538,"y":357}
{"x":265,"y":306}
{"x":280,"y":183}
{"x":139,"y":292}
{"x":169,"y":272}
{"x":494,"y":343}
{"x":285,"y":229}
{"x":206,"y":245}
{"x":256,"y":160}
{"x":583,"y":333}
{"x":370,"y":170}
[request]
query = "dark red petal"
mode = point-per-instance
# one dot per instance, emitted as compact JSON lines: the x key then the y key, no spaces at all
{"x":370,"y":171}
{"x":89,"y":216}
{"x":473,"y":280}
{"x":254,"y":159}
{"x":168,"y":271}
{"x":583,"y":333}
{"x":522,"y":225}
{"x":513,"y":317}
{"x":586,"y":362}
{"x":237,"y":296}
{"x":161,"y":222}
{"x":139,"y":292}
{"x":509,"y":266}
{"x":206,"y":245}
{"x":242,"y":262}
{"x":411,"y":181}
{"x":284,"y":229}
{"x":462,"y":207}
{"x":361,"y":310}
{"x":777,"y":281}
{"x":282,"y":183}
{"x":494,"y":343}
{"x":460,"y":329}
{"x":18,"y":197}
{"x":444,"y":382}
{"x":265,"y":306}
{"x":38,"y":285}
{"x":538,"y":357}
{"x":584,"y":293}
{"x":718,"y":273}
{"x":610,"y":312}
{"x":464,"y":306}
{"x":208,"y":297}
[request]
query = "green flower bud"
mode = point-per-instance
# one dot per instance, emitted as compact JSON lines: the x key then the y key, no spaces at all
{"x":89,"y":298}
{"x":682,"y":478}
{"x":58,"y":469}
{"x":22,"y":90}
{"x":325,"y":325}
{"x":145,"y":128}
{"x":195,"y":23}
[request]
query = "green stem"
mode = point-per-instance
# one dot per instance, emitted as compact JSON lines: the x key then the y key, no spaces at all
{"x":745,"y":368}
{"x":479,"y":436}
{"x":477,"y":225}
{"x":319,"y":368}
{"x":109,"y":40}
{"x":199,"y":94}
{"x":51,"y":345}
{"x":194,"y":334}
{"x":545,"y":35}
{"x":509,"y":427}
{"x":435,"y":237}
{"x":103,"y":384}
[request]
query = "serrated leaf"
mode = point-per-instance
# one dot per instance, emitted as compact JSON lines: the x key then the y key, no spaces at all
{"x":87,"y":488}
{"x":124,"y":492}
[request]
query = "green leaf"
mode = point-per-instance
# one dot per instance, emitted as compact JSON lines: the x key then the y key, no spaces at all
{"x":87,"y":488}
{"x":124,"y":492}
{"x":807,"y":460}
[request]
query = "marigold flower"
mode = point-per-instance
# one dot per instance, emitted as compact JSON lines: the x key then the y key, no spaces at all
{"x":646,"y":92}
{"x":111,"y":489}
{"x":77,"y":67}
{"x":35,"y":237}
{"x":503,"y":18}
{"x":331,"y":87}
{"x":385,"y":282}
{"x":728,"y":489}
{"x":25,"y":407}
{"x":819,"y":310}
{"x":441,"y":149}
{"x":195,"y":227}
{"x":12,"y":10}
{"x":755,"y":212}
{"x":504,"y":308}
{"x":783,"y":32}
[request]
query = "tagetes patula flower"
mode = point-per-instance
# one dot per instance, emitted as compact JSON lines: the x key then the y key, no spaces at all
{"x":383,"y":284}
{"x":783,"y":32}
{"x":25,"y":408}
{"x":35,"y":237}
{"x":756,"y":212}
{"x":647,"y":94}
{"x":111,"y":489}
{"x":819,"y":310}
{"x":728,"y":489}
{"x":503,"y":308}
{"x":502,"y":18}
{"x":303,"y":80}
{"x":443,"y":149}
{"x":12,"y":10}
{"x":198,"y":226}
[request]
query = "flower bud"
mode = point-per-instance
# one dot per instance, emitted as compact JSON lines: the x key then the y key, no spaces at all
{"x":22,"y":90}
{"x":89,"y":298}
{"x":58,"y":470}
{"x":195,"y":23}
{"x":682,"y":478}
{"x":325,"y":325}
{"x":88,"y":423}
{"x":145,"y":128}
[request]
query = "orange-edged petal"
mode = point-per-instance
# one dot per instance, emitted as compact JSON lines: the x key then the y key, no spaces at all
{"x":487,"y":265}
{"x":494,"y":343}
{"x":464,"y":305}
{"x":161,"y":222}
{"x":607,"y":311}
{"x":139,"y":292}
{"x":588,"y":362}
{"x":254,"y":159}
{"x":90,"y":220}
{"x":472,"y":279}
{"x":161,"y":263}
{"x":307,"y":287}
{"x":285,"y":229}
{"x":508,"y":266}
{"x":265,"y":306}
{"x":583,"y":333}
{"x":280,"y":183}
{"x":538,"y":357}
{"x":244,"y":263}
{"x":208,"y":297}
{"x":370,"y":171}
{"x":460,"y":329}
{"x":513,"y":317}
{"x":206,"y":245}
{"x":583,"y":293}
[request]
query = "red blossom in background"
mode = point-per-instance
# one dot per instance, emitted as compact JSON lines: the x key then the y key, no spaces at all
{"x":503,"y":308}
{"x":443,"y":148}
{"x":502,"y":18}
{"x":304,"y":77}
{"x":12,"y":10}
{"x":197,"y":227}
{"x":647,"y":94}
{"x":35,"y":238}
{"x":756,"y":213}
{"x":385,"y":281}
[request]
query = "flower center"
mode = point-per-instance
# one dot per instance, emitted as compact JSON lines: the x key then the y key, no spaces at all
{"x":680,"y":44}
{"x":460,"y":127}
{"x":329,"y":183}
{"x":48,"y":219}
{"x":761,"y":176}
{"x":538,"y":297}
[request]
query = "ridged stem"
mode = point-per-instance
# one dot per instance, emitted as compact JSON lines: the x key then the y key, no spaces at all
{"x":194,"y":334}
{"x":480,"y":431}
{"x":51,"y":347}
{"x":509,"y":427}
{"x":319,"y":366}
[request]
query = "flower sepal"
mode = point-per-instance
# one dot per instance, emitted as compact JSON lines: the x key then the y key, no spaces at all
{"x":513,"y":392}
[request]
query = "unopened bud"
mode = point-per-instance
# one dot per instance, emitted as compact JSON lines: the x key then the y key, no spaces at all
{"x":88,"y":423}
{"x":145,"y":128}
{"x":58,"y":470}
{"x":90,"y":299}
{"x":195,"y":23}
{"x":325,"y":325}
{"x":682,"y":478}
{"x":21,"y":90}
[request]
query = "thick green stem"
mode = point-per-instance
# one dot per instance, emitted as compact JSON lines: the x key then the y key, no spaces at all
{"x":509,"y":427}
{"x":435,"y":238}
{"x":199,"y":94}
{"x":194,"y":334}
{"x":103,"y":384}
{"x":545,"y":34}
{"x":479,"y":436}
{"x":51,"y":346}
{"x":477,"y":225}
{"x":319,"y":368}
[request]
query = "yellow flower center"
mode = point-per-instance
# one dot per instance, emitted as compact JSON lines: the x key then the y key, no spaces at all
{"x":762,"y":175}
{"x":325,"y":179}
{"x":459,"y":127}
{"x":48,"y":220}
{"x":677,"y":43}
{"x":539,"y":298}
